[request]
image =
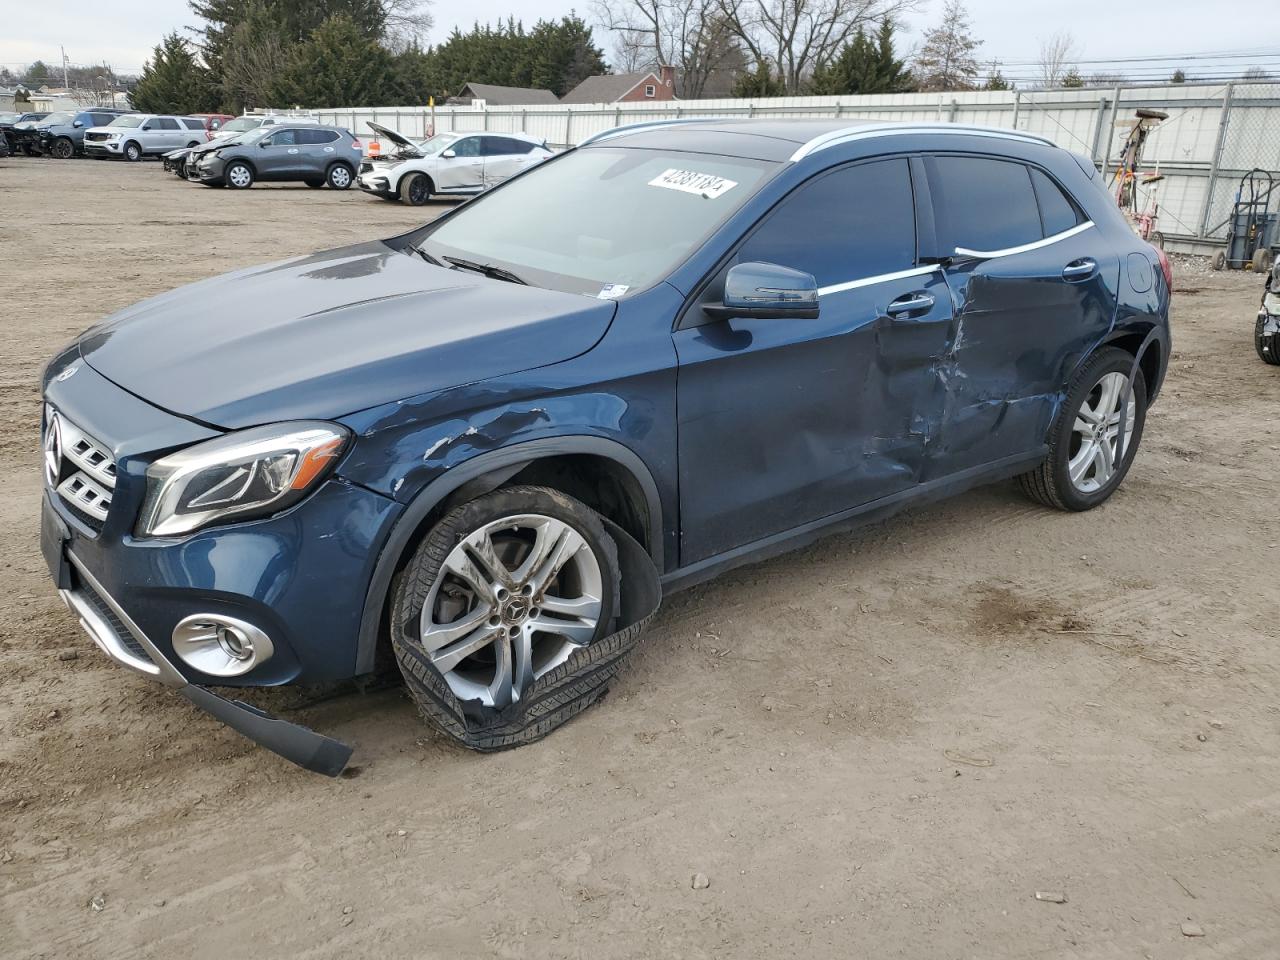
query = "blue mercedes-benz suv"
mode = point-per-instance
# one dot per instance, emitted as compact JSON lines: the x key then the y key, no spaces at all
{"x":488,"y":446}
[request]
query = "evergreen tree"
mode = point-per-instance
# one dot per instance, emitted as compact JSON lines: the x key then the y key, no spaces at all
{"x":173,"y":82}
{"x":995,"y":78}
{"x":338,"y":65}
{"x":1073,"y":79}
{"x":563,"y":54}
{"x":865,"y":65}
{"x":760,"y":82}
{"x":1179,"y":76}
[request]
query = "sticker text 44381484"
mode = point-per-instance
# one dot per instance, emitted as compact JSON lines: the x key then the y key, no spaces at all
{"x":691,"y":181}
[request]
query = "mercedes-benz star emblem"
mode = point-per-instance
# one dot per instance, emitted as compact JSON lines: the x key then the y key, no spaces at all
{"x":52,"y":450}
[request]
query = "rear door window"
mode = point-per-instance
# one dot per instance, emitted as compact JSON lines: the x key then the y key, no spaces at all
{"x":1057,"y":211}
{"x":850,"y":224}
{"x":316,"y":136}
{"x":164,"y":123}
{"x":984,"y":204}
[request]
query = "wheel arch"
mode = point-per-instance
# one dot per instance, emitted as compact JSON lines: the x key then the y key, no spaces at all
{"x":604,"y":474}
{"x":431,"y":181}
{"x":1149,"y":346}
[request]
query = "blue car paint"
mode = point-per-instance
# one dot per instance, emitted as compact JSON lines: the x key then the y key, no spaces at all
{"x":476,"y":377}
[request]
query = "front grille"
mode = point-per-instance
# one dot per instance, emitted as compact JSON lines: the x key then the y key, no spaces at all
{"x":109,"y":617}
{"x":79,"y":469}
{"x":366,"y":167}
{"x":96,"y":136}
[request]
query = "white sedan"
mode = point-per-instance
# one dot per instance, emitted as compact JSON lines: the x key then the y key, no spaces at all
{"x":448,"y":164}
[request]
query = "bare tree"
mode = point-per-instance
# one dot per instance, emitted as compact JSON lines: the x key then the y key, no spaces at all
{"x":407,"y":23}
{"x":800,"y":36}
{"x":1057,"y":57}
{"x":946,"y":58}
{"x":693,"y":36}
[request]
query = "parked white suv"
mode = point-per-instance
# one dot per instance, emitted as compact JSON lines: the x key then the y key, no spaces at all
{"x":135,"y":135}
{"x":448,"y":164}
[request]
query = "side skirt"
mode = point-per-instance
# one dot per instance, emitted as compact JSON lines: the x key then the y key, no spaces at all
{"x":846,"y":520}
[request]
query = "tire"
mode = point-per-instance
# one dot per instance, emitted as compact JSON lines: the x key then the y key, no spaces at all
{"x":415,"y":189}
{"x":1051,"y":482}
{"x":132,"y":152}
{"x":1261,"y":260}
{"x":193,"y":144}
{"x":1219,"y":261}
{"x":503,"y":715}
{"x":314,"y":184}
{"x":339,"y":177}
{"x":62,"y":149}
{"x":1267,"y":344}
{"x":238,"y":175}
{"x":29,"y":150}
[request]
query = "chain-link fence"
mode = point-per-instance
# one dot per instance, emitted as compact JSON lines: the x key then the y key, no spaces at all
{"x":1214,"y":133}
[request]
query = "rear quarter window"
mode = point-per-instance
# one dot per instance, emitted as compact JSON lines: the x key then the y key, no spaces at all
{"x":984,"y":204}
{"x":1058,"y":212}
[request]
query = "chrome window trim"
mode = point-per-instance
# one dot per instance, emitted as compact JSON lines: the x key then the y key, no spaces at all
{"x":1026,"y":247}
{"x":866,"y":131}
{"x":878,"y":278}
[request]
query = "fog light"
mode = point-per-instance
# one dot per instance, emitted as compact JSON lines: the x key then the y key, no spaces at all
{"x":220,"y":646}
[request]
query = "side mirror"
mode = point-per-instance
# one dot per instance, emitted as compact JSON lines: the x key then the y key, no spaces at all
{"x":766,"y":291}
{"x":77,"y":123}
{"x":146,"y":126}
{"x":448,"y":154}
{"x":264,"y":143}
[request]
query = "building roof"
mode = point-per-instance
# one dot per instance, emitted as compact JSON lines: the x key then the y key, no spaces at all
{"x":606,"y":87}
{"x":506,"y":96}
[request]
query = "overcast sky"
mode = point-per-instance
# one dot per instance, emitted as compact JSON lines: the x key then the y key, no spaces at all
{"x":123,"y":32}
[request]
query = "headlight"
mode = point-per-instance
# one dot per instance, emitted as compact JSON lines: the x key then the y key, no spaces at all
{"x":250,"y":473}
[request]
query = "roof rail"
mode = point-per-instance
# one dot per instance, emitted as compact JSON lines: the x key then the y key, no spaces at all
{"x":837,"y":137}
{"x":630,"y":127}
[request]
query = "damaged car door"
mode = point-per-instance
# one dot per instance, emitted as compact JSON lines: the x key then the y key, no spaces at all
{"x":810,"y":417}
{"x":1035,"y":287}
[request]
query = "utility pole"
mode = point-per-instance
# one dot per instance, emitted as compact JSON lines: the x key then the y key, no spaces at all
{"x":65,"y":82}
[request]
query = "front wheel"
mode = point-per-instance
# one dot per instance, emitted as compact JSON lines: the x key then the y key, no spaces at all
{"x":1086,"y":464}
{"x":238,"y":176}
{"x":62,"y":149}
{"x":496,"y":618}
{"x":1267,"y":344}
{"x":415,"y":189}
{"x":132,"y":152}
{"x":339,"y":176}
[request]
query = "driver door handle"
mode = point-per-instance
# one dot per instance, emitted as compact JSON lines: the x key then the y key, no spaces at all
{"x":1081,"y":269}
{"x":910,"y":303}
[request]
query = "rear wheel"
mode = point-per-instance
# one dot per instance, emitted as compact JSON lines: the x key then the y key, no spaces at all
{"x":238,"y":175}
{"x":1267,"y":344}
{"x":1085,"y":465}
{"x":339,"y":176}
{"x":496,"y":619}
{"x":415,"y":189}
{"x":62,"y":149}
{"x":132,"y":152}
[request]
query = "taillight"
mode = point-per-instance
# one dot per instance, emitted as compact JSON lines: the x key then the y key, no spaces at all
{"x":356,"y":144}
{"x":1165,"y":267}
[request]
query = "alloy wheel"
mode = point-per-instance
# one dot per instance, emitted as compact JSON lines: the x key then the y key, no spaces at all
{"x":512,"y":601}
{"x":62,"y":149}
{"x":1093,"y":459}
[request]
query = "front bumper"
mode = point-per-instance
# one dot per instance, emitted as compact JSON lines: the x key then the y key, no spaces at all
{"x":299,"y":577}
{"x":207,"y":169}
{"x":104,"y":148}
{"x":375,"y":184}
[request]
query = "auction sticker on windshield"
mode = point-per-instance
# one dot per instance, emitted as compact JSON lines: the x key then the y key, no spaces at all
{"x":691,"y":181}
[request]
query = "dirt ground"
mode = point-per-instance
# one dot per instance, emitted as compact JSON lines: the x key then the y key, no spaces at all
{"x":882,"y":746}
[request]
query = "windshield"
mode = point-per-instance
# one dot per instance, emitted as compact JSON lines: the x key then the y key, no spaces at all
{"x":126,"y":121}
{"x":240,"y":124}
{"x":437,"y":144}
{"x":601,"y":221}
{"x":9,"y":117}
{"x":253,"y":136}
{"x":59,"y":117}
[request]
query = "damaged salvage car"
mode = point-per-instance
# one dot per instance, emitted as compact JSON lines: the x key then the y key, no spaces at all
{"x":482,"y":450}
{"x":1266,"y":330}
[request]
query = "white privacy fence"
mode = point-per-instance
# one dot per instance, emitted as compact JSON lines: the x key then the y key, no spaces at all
{"x":1214,"y":134}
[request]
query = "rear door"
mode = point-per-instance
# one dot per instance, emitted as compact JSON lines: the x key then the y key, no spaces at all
{"x":1034,"y":286}
{"x":319,"y":149}
{"x":503,"y":157}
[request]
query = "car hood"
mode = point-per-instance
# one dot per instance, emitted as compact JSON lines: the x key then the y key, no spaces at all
{"x":333,"y":333}
{"x":395,"y":136}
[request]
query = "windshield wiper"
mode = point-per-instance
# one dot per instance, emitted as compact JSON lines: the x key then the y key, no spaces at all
{"x":427,"y":257}
{"x":488,"y":269}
